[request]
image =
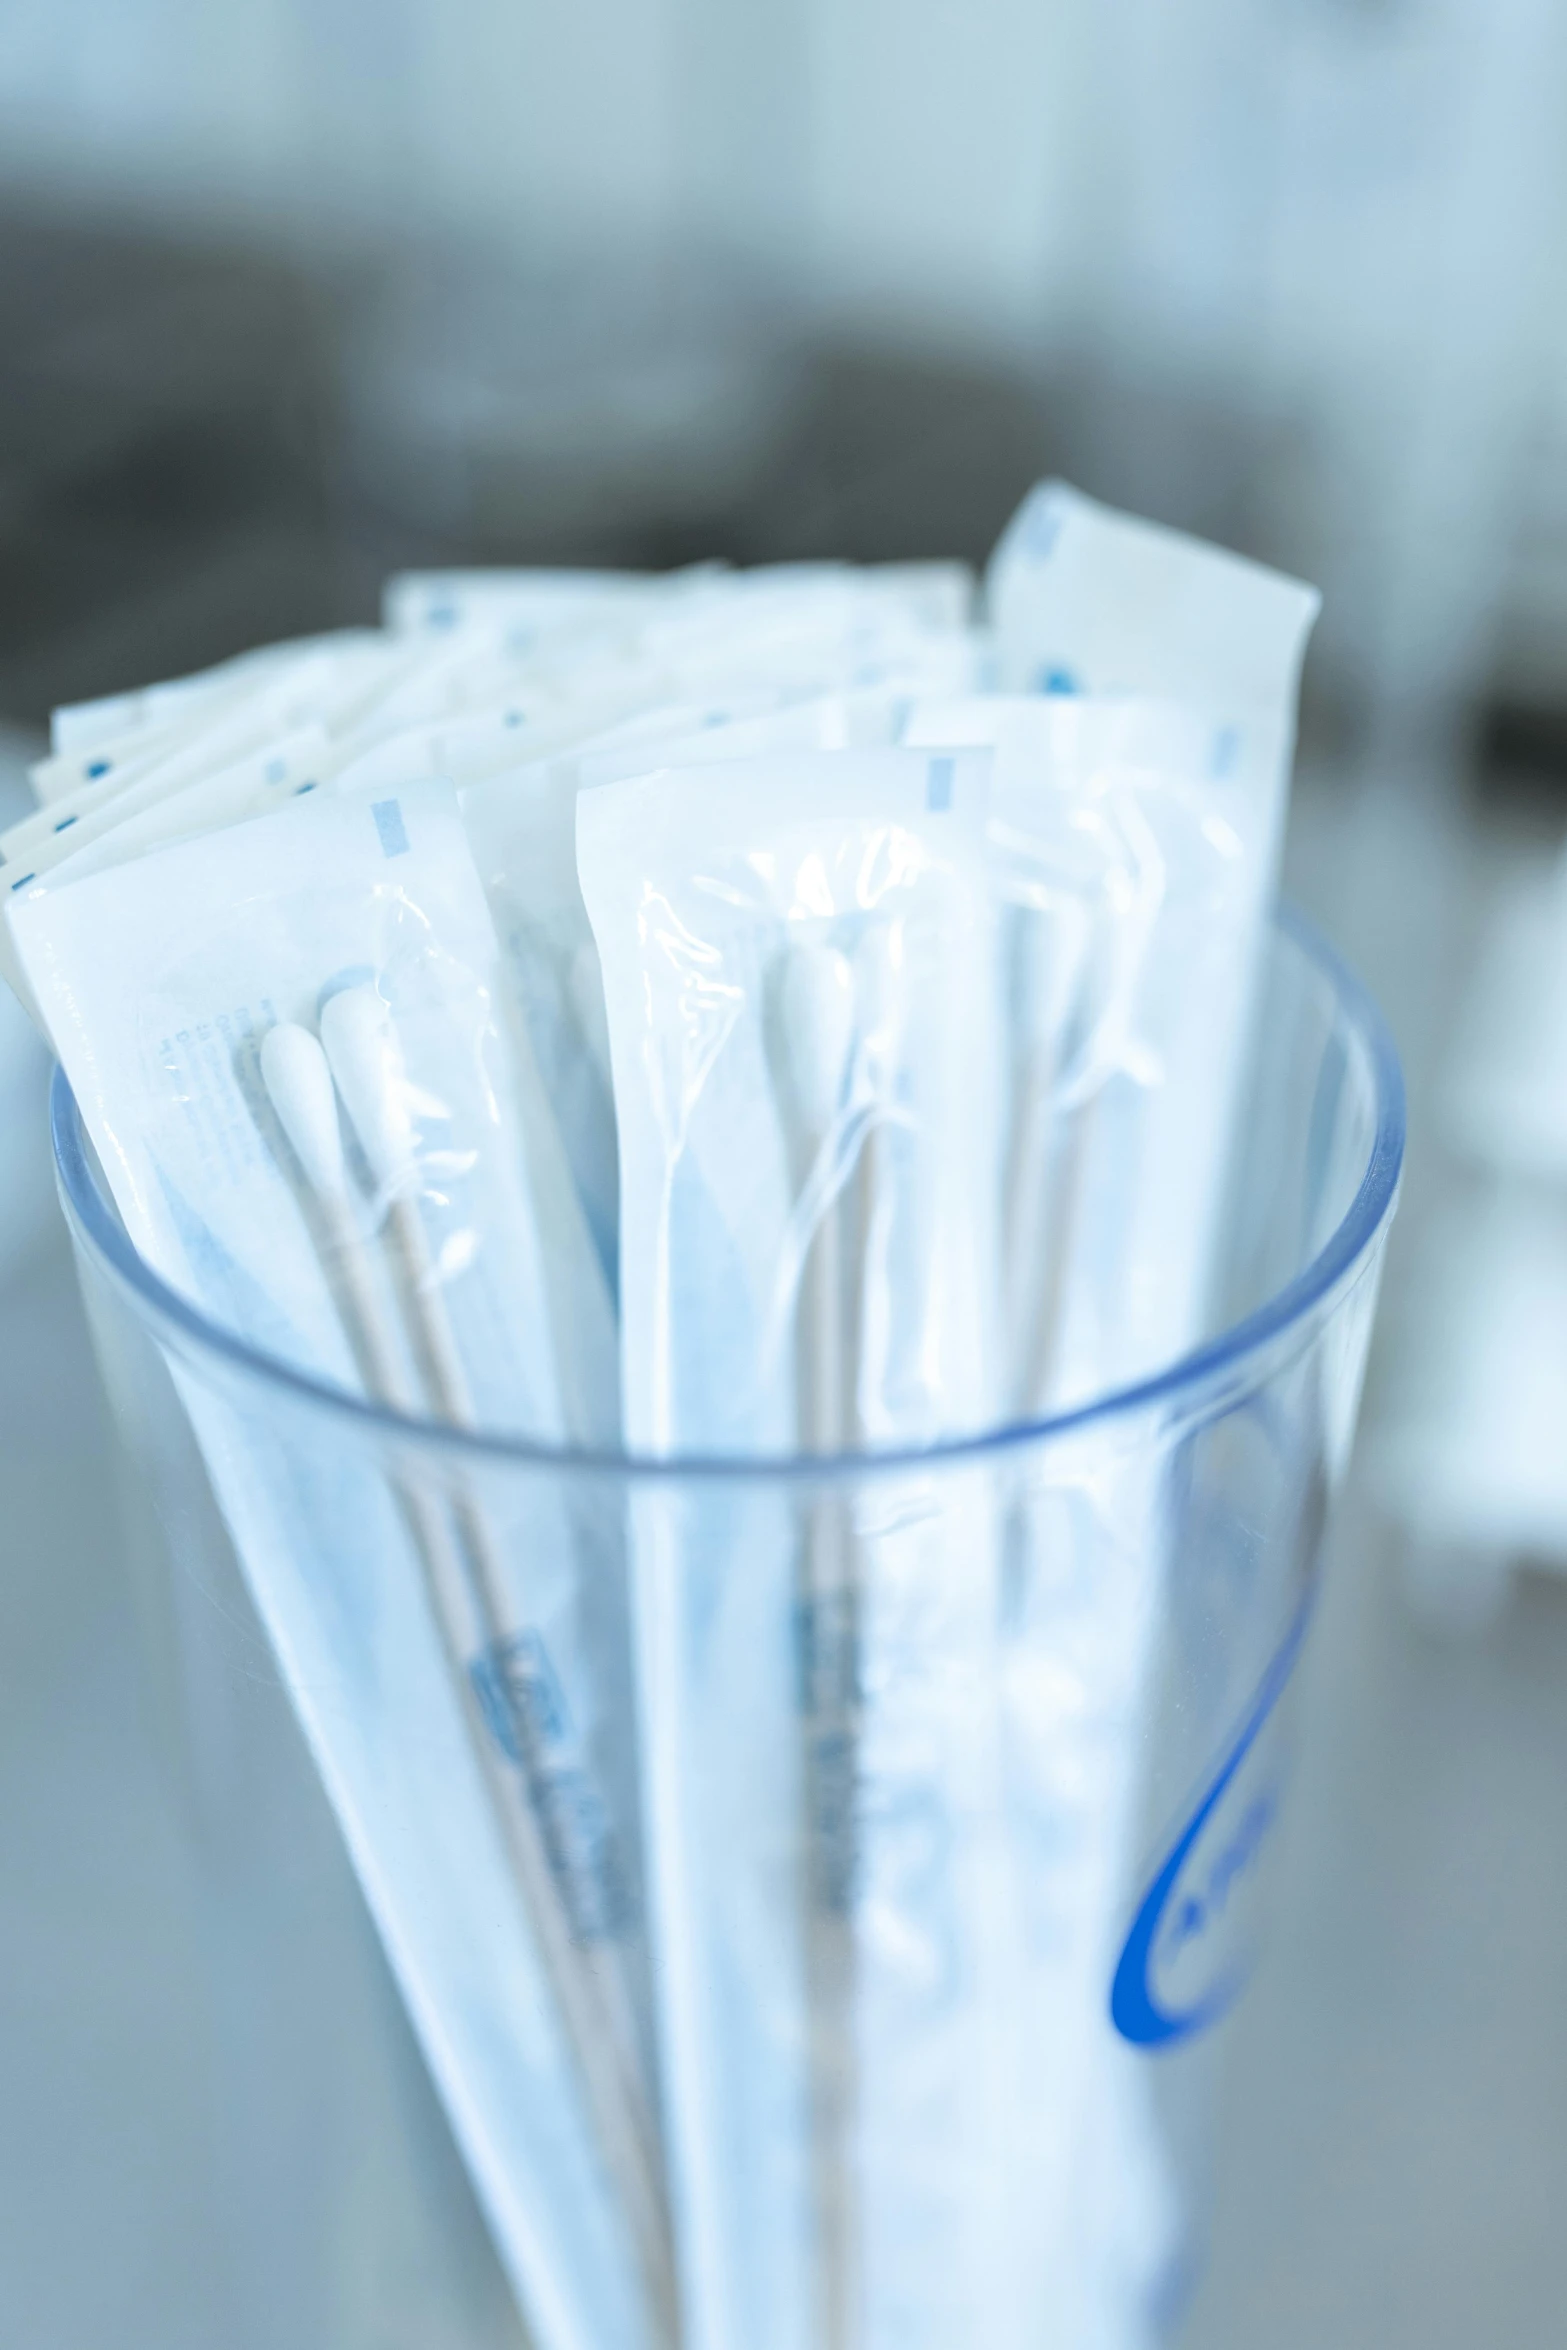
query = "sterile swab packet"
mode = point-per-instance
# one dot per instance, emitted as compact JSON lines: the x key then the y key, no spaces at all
{"x":1133,"y":849}
{"x":140,"y":817}
{"x":525,"y":603}
{"x":529,"y":604}
{"x":1085,"y":600}
{"x":323,"y":684}
{"x":71,"y":850}
{"x":161,"y":982}
{"x":811,"y":2046}
{"x":1135,"y":840}
{"x":78,"y":726}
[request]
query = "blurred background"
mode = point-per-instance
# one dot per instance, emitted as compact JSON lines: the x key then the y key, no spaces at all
{"x":292,"y":295}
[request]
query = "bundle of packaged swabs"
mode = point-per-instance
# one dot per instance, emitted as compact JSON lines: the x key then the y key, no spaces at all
{"x":691,"y":1056}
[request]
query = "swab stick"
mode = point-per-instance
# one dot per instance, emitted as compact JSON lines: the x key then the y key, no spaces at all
{"x":466,"y":1598}
{"x":816,"y":1011}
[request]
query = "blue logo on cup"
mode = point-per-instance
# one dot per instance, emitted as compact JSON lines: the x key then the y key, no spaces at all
{"x":1182,"y":1915}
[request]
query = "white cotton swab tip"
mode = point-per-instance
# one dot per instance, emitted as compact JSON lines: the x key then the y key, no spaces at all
{"x":299,"y":1086}
{"x":816,"y":1013}
{"x":367,"y":1064}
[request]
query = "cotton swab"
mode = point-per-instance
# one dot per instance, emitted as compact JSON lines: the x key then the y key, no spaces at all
{"x":367,"y":1066}
{"x":299,"y":1085}
{"x":816,"y":1014}
{"x":299,"y":1078}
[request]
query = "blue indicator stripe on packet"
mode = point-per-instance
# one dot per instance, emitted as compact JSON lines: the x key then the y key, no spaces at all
{"x":938,"y":784}
{"x":389,"y":824}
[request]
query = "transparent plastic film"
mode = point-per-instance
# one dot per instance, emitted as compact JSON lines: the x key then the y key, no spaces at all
{"x":521,"y":822}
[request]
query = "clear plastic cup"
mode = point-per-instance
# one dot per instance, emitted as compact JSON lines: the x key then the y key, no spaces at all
{"x":949,"y":1870}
